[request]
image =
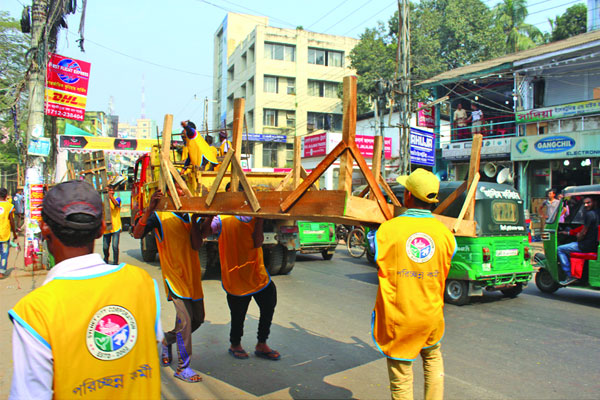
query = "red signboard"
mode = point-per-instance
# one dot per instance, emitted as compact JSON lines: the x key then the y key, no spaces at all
{"x":315,"y":145}
{"x":36,"y":197}
{"x":66,"y":87}
{"x":426,"y":117}
{"x":365,"y":145}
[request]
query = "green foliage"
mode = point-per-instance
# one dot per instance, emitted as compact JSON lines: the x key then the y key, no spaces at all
{"x":510,"y":17}
{"x":572,"y":22}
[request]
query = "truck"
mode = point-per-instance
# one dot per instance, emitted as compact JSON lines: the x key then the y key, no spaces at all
{"x":281,"y":239}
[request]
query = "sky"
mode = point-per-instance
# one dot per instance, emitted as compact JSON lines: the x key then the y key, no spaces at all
{"x":166,"y":48}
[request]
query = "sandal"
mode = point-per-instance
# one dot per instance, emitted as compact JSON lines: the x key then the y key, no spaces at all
{"x":188,"y":375}
{"x":269,"y":355}
{"x":167,"y":355}
{"x":239,"y":354}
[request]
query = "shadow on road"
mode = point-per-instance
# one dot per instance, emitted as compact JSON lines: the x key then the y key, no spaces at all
{"x":303,"y":372}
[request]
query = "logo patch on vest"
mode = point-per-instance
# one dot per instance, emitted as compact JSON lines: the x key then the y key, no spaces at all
{"x":111,"y":333}
{"x":420,"y":247}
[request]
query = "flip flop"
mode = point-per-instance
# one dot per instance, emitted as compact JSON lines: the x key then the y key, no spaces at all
{"x":188,"y":375}
{"x":167,"y":355}
{"x":239,"y":354}
{"x":269,"y":355}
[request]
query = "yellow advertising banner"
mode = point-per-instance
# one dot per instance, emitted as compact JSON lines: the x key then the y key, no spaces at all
{"x":65,"y":98}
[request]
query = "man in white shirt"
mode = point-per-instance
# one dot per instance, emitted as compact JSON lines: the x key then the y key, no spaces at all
{"x":476,"y":119}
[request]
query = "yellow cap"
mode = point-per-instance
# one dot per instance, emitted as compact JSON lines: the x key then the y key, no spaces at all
{"x":422,"y":184}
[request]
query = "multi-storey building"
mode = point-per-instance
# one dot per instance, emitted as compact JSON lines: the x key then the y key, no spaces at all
{"x":289,"y":77}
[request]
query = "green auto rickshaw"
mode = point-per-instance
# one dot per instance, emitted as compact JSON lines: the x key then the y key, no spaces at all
{"x":585,"y":266}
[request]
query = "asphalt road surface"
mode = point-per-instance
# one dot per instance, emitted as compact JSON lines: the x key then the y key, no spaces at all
{"x":536,"y":346}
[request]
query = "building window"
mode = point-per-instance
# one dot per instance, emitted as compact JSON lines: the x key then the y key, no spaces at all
{"x":291,"y":86}
{"x":243,"y":90}
{"x":277,"y":51}
{"x":250,"y":120}
{"x":290,"y":117}
{"x":269,"y":117}
{"x":269,"y":154}
{"x":251,"y":86}
{"x":289,"y":155}
{"x":322,"y":89}
{"x":231,"y":73}
{"x":251,"y":55}
{"x":329,"y":58}
{"x":328,"y":122}
{"x":271,"y":84}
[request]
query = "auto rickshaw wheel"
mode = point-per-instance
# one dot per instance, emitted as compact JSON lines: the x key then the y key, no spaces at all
{"x":545,"y":282}
{"x":513,"y":291}
{"x":456,"y":292}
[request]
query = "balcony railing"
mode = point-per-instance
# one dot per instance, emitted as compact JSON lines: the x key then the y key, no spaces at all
{"x":492,"y":127}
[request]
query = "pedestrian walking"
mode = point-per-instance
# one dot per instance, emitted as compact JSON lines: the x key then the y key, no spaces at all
{"x":413,"y":252}
{"x":19,"y":203}
{"x":91,"y":329}
{"x":7,"y":225}
{"x":178,"y":247}
{"x":114,"y":233}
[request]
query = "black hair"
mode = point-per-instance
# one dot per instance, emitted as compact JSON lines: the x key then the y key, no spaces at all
{"x":209,"y":139}
{"x":72,"y":237}
{"x":551,"y":190}
{"x":228,"y":186}
{"x":191,"y":125}
{"x":3,"y":192}
{"x":421,"y":204}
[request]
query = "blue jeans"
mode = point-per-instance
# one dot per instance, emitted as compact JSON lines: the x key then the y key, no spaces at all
{"x":4,"y":247}
{"x":564,"y":253}
{"x":115,"y":236}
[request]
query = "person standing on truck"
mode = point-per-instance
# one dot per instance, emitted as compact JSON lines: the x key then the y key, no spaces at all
{"x":178,"y":246}
{"x":244,"y":277}
{"x":90,"y":326}
{"x":587,"y":241}
{"x":114,"y":234}
{"x":198,"y":150}
{"x":7,"y":225}
{"x":413,"y":252}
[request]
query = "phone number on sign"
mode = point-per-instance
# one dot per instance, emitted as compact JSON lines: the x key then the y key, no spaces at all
{"x":65,"y":114}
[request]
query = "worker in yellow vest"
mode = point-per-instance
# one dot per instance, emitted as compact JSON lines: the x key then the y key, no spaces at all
{"x":224,"y":144}
{"x":178,"y":246}
{"x":199,"y":151}
{"x":413,"y":252}
{"x":91,"y":330}
{"x":114,"y":233}
{"x":7,"y":225}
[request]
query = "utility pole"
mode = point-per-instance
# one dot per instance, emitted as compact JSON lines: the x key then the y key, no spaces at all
{"x":206,"y":114}
{"x":383,"y":90}
{"x":403,"y":82}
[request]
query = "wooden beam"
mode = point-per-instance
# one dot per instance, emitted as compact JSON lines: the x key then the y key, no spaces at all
{"x":220,"y":174}
{"x":285,"y":180}
{"x":314,"y":176}
{"x":297,"y":160}
{"x":165,"y":146}
{"x":348,"y":133}
{"x":431,"y":104}
{"x":450,"y":199}
{"x":362,"y":164}
{"x":248,"y":192}
{"x":390,"y":193}
{"x":177,"y":177}
{"x":376,"y":162}
{"x":467,"y":204}
{"x":238,"y":127}
{"x":164,"y":170}
{"x":473,"y":170}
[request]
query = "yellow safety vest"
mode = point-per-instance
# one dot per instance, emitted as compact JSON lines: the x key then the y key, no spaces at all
{"x":115,"y":217}
{"x":179,"y":262}
{"x":6,"y":208}
{"x":413,"y":252}
{"x":199,"y":149}
{"x":101,"y":331}
{"x":243,"y":271}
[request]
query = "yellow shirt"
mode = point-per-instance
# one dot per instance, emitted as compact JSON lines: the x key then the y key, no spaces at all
{"x":101,"y":331}
{"x":179,"y":262}
{"x":6,"y":209}
{"x":243,"y":271}
{"x":115,"y":217}
{"x":413,"y":252}
{"x":224,"y":148}
{"x":198,"y":150}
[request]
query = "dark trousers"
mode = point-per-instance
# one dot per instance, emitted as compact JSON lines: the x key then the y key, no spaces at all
{"x":115,"y":236}
{"x":190,"y":315}
{"x":238,"y":306}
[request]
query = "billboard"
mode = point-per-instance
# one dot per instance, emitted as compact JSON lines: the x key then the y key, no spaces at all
{"x":66,"y":87}
{"x":316,"y":145}
{"x":422,"y":147}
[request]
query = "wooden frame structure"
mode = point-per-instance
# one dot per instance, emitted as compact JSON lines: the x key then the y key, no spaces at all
{"x":303,"y":201}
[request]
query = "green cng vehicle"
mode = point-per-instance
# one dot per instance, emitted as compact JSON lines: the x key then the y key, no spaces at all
{"x":498,"y":258}
{"x":317,"y":237}
{"x":585,"y":266}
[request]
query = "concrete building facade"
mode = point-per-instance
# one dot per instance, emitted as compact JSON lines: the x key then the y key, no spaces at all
{"x":290,"y":79}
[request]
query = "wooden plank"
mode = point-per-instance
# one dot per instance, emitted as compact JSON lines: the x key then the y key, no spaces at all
{"x":367,"y":210}
{"x":220,"y":174}
{"x":164,"y":170}
{"x":376,"y":162}
{"x":178,"y":177}
{"x":468,"y":200}
{"x":461,"y":228}
{"x":348,"y":132}
{"x":450,"y":199}
{"x":362,"y":164}
{"x":314,"y":176}
{"x":363,"y":192}
{"x":248,"y":192}
{"x":285,"y":181}
{"x":297,"y":161}
{"x":473,"y":170}
{"x":165,"y":147}
{"x":390,"y":193}
{"x":238,"y":127}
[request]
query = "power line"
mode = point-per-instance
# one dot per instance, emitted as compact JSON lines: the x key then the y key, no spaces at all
{"x":359,"y":7}
{"x":368,"y":19}
{"x":326,"y":14}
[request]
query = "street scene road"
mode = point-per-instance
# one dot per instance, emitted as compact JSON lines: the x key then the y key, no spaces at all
{"x":531,"y":347}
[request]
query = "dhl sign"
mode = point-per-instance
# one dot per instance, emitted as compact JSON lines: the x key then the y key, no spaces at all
{"x":66,"y":87}
{"x":68,"y":99}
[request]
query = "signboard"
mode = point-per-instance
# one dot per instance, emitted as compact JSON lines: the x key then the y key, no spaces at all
{"x":316,"y":145}
{"x":36,"y":197}
{"x":426,"y":116}
{"x":490,"y":148}
{"x":265,"y":137}
{"x":552,"y":147}
{"x":558,"y":112}
{"x":39,"y":147}
{"x":66,"y":87}
{"x":365,"y":145}
{"x":93,"y":143}
{"x":422,"y":147}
